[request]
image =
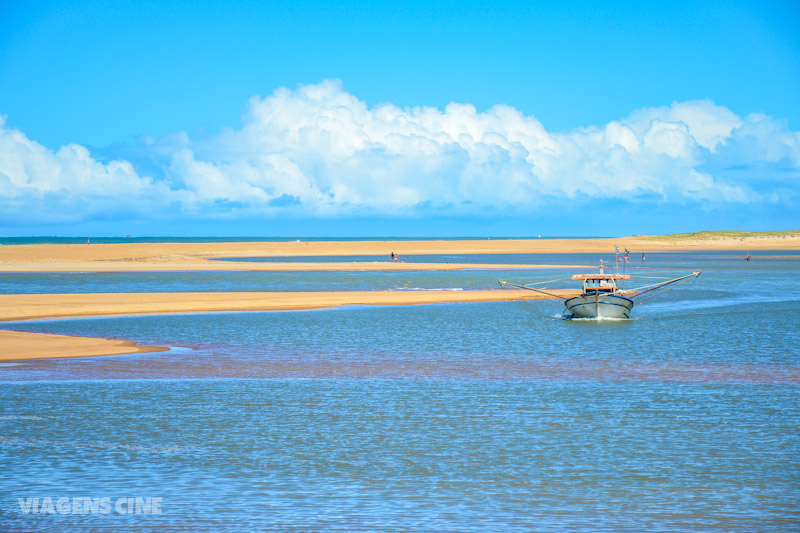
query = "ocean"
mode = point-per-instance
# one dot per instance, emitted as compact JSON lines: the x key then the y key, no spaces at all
{"x":137,"y":239}
{"x":446,"y":417}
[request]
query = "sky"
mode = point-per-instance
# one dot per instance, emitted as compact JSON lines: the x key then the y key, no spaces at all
{"x":389,"y":118}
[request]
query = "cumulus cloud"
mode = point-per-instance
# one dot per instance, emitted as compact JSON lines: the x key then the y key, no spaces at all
{"x":68,"y":185}
{"x":318,"y":150}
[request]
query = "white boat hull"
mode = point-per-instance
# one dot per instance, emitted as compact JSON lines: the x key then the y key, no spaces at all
{"x":599,"y":306}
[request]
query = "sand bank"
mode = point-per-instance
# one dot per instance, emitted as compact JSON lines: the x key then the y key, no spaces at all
{"x":37,"y":306}
{"x":199,"y":256}
{"x":229,"y":266}
{"x":19,"y":345}
{"x":195,"y":256}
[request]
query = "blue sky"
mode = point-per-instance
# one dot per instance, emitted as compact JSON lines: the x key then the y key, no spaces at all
{"x":383,"y":118}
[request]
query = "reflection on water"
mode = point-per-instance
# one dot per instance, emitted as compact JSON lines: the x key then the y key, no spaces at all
{"x":489,"y":416}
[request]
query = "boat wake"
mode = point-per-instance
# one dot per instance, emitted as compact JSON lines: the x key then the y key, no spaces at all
{"x":595,"y":319}
{"x":694,"y":305}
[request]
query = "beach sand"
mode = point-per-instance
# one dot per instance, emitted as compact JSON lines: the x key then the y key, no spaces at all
{"x":195,"y":256}
{"x":19,"y":345}
{"x":200,"y":256}
{"x":37,"y":306}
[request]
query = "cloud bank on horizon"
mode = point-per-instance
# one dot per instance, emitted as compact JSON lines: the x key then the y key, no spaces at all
{"x":319,"y":151}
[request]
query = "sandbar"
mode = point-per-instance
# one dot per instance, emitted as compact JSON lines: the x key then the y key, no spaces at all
{"x":162,"y":256}
{"x":20,"y":345}
{"x":54,"y":306}
{"x":15,"y":307}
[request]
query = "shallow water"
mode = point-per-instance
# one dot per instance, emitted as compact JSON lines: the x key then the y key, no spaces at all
{"x":660,"y":264}
{"x":488,"y":416}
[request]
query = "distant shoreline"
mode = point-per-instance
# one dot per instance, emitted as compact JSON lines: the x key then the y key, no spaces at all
{"x":11,"y":241}
{"x":51,"y":239}
{"x":164,"y":256}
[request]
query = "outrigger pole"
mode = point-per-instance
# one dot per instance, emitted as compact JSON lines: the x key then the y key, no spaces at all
{"x":659,"y":285}
{"x":507,"y":284}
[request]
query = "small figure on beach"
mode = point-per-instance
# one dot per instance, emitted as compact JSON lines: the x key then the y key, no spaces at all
{"x":748,"y":257}
{"x":643,"y":259}
{"x":394,"y":257}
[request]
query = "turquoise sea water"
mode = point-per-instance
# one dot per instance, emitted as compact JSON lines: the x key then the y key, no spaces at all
{"x":122,"y":239}
{"x":466,"y":417}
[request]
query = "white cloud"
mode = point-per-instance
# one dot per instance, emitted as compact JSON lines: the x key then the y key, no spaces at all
{"x":318,"y":150}
{"x":710,"y":125}
{"x":39,"y":185}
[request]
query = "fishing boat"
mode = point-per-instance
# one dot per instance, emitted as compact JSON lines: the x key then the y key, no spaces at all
{"x":601,"y":297}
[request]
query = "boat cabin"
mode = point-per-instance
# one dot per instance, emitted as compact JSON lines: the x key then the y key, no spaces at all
{"x":600,"y":283}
